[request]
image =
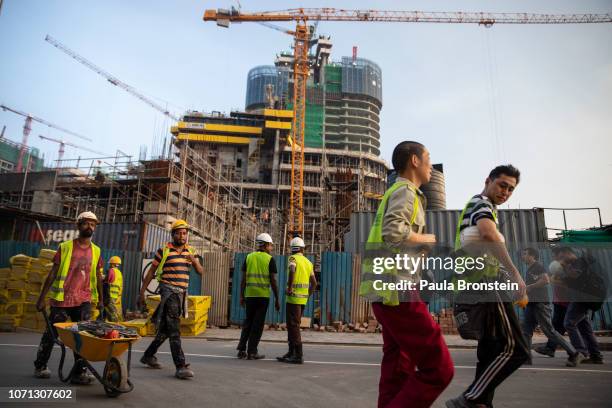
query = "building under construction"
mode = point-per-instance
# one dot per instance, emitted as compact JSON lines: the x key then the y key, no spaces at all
{"x":229,"y":175}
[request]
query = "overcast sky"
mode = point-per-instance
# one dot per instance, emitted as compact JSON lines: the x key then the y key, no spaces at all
{"x":537,"y":96}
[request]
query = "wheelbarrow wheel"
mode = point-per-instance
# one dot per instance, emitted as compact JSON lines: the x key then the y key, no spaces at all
{"x":115,"y":377}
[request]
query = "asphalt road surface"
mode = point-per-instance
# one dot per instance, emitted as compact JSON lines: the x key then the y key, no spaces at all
{"x":332,"y":377}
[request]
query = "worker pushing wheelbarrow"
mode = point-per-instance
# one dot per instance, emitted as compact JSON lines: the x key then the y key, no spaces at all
{"x":94,"y":341}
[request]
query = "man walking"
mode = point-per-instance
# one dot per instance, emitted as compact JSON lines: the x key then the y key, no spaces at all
{"x":114,"y":282}
{"x":539,"y":310}
{"x":171,"y":269}
{"x":501,"y":347}
{"x":580,"y":274}
{"x":300,"y":284}
{"x":560,"y":303}
{"x":411,"y":339}
{"x":258,"y":275}
{"x":74,"y":283}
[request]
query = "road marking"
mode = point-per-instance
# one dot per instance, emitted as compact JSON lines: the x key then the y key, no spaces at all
{"x":567,"y":369}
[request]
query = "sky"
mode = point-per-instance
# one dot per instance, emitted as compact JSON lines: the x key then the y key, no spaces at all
{"x":536,"y":96}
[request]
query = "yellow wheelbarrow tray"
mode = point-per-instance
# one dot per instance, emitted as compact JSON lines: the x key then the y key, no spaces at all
{"x":92,"y":348}
{"x":88,"y":348}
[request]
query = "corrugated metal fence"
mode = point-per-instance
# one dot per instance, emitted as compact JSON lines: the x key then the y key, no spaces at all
{"x":215,"y":283}
{"x":336,"y":287}
{"x":237,"y":312}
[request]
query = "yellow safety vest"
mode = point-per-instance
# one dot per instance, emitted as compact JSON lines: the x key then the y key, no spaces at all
{"x":160,"y":268}
{"x":491,"y":268}
{"x":116,"y":288}
{"x":258,"y":274}
{"x":56,"y":292}
{"x":301,"y":279}
{"x":388,"y":297}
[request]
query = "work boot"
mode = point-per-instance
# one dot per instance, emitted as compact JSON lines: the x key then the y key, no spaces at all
{"x":82,"y":378}
{"x":183,"y":372}
{"x":593,"y":359}
{"x":545,"y":351}
{"x":150,"y":362}
{"x":575,"y":359}
{"x":255,"y":356}
{"x":297,"y":356}
{"x":287,"y":354}
{"x":42,"y":372}
{"x":241,"y":354}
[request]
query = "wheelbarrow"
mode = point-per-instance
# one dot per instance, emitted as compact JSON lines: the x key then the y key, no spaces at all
{"x":88,"y":348}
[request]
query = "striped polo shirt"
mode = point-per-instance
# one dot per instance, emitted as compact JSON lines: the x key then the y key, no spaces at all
{"x":477,"y":208}
{"x":176,"y":268}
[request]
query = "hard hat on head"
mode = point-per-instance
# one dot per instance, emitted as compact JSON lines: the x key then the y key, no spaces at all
{"x":178,"y":224}
{"x":297,"y":243}
{"x":555,"y":268}
{"x":263,"y":239}
{"x":115,"y":260}
{"x":87,"y":215}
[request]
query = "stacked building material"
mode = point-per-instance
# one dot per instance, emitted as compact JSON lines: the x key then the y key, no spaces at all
{"x":15,"y":292}
{"x":195,"y":322}
{"x":21,"y":285}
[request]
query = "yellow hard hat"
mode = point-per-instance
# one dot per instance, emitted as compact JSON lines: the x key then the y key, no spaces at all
{"x":178,"y":224}
{"x":115,"y":260}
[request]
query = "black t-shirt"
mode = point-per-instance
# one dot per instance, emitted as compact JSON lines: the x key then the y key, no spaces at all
{"x":534,"y":273}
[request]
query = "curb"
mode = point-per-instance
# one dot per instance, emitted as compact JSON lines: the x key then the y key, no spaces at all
{"x":327,"y":343}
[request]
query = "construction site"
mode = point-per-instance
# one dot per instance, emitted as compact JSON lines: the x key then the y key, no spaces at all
{"x":233,"y":172}
{"x":295,"y":174}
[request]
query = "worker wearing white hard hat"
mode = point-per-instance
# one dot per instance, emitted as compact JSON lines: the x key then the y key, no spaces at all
{"x":258,"y":276}
{"x":73,"y":286}
{"x":300,"y":284}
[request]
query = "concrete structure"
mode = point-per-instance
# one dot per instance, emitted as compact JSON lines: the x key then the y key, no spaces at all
{"x":344,"y":98}
{"x":9,"y":155}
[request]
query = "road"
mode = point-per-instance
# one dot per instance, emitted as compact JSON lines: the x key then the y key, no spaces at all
{"x":332,"y":377}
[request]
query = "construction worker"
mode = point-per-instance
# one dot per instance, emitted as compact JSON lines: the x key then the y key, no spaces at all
{"x":73,"y":285}
{"x":171,"y":269}
{"x":113,"y":280}
{"x":411,"y":338}
{"x":258,"y":275}
{"x":502,"y":348}
{"x":301,"y":283}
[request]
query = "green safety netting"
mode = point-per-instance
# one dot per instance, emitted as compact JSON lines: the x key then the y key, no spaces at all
{"x":586,"y":236}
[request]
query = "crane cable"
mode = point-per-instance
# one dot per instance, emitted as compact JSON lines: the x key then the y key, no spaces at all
{"x":493,"y":98}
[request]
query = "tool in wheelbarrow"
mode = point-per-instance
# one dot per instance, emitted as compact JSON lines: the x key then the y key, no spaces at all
{"x":97,"y":341}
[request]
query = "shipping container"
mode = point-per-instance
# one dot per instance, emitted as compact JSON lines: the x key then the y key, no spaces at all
{"x":140,"y":237}
{"x":517,"y":226}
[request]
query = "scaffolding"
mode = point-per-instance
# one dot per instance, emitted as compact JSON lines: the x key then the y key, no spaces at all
{"x":119,"y":189}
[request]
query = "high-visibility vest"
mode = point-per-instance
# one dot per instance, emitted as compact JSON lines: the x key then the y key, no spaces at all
{"x":258,"y":274}
{"x":165,"y":252}
{"x":56,"y":292}
{"x":491,"y":268}
{"x":116,"y":288}
{"x":301,"y":279}
{"x":388,"y":297}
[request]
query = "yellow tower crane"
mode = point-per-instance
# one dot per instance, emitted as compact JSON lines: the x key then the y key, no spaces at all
{"x":301,"y":68}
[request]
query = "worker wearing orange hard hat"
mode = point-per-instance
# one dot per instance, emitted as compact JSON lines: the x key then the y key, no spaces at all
{"x":113,"y":289}
{"x":171,"y":268}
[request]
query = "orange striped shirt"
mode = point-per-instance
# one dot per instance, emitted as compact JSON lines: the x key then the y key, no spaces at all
{"x":176,"y":268}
